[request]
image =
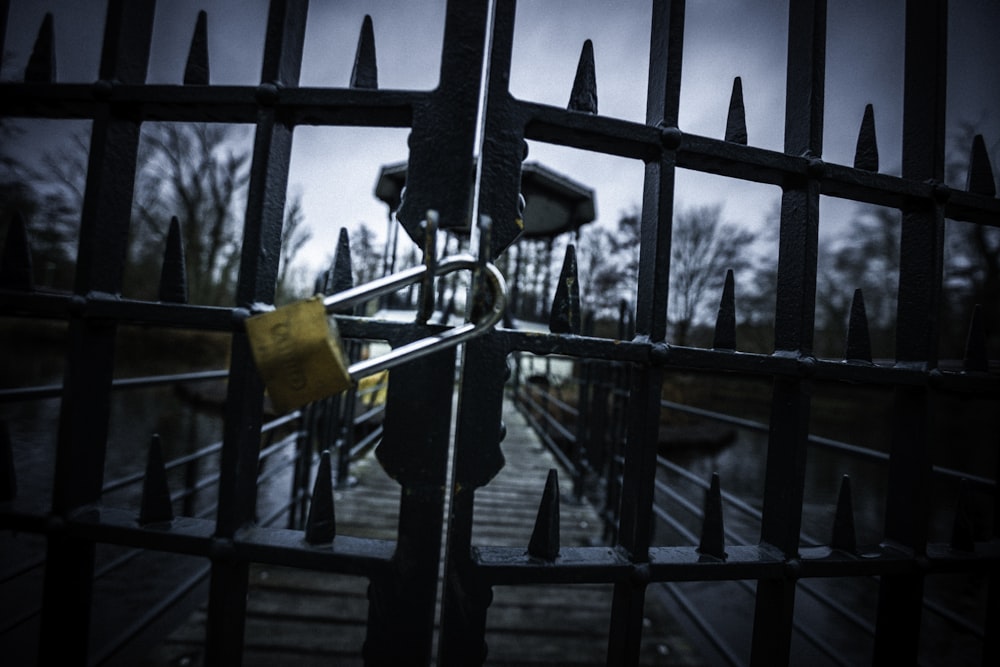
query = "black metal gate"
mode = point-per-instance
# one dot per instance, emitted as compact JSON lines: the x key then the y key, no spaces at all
{"x":415,"y":446}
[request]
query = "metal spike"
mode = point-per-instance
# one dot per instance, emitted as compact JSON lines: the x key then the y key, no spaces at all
{"x":343,"y":270}
{"x":17,"y":268}
{"x":866,"y":151}
{"x":859,"y":344}
{"x":976,"y":355}
{"x":725,"y":321}
{"x":980,"y":179}
{"x":584,"y":95}
{"x":713,"y":538}
{"x":426,"y":298}
{"x":173,"y":275}
{"x":544,"y":542}
{"x":196,"y":70}
{"x":962,"y":532}
{"x":565,"y":314}
{"x":8,"y":478}
{"x":365,"y":72}
{"x":844,"y":536}
{"x":321,"y":525}
{"x":156,"y":506}
{"x":736,"y":122}
{"x":42,"y":63}
{"x":341,"y":276}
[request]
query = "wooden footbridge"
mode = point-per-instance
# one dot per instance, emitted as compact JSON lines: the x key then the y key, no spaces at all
{"x":310,"y":618}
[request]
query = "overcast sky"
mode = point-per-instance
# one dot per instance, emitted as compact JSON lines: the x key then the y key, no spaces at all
{"x":335,"y":169}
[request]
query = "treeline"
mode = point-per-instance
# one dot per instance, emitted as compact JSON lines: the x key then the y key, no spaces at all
{"x":194,"y":173}
{"x":863,"y":256}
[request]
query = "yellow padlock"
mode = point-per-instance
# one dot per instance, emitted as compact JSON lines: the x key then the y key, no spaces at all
{"x":298,"y":353}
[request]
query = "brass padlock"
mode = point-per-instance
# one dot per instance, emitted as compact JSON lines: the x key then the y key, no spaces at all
{"x":299,"y":353}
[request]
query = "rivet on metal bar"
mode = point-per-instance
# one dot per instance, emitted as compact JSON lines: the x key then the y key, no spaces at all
{"x":298,"y":350}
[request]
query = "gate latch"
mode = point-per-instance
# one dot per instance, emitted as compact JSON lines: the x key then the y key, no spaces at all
{"x":298,"y":349}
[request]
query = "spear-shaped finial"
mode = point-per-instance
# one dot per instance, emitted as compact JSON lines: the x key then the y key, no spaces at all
{"x":725,"y":321}
{"x":844,"y":537}
{"x":980,"y":179}
{"x":565,"y":315}
{"x":173,"y":274}
{"x":365,"y":72}
{"x":859,"y":344}
{"x":584,"y":95}
{"x":976,"y":354}
{"x":866,"y":150}
{"x":16,"y":267}
{"x":544,"y":542}
{"x":736,"y":122}
{"x":155,"y":506}
{"x":42,"y":63}
{"x":342,"y":274}
{"x":196,"y":70}
{"x":321,"y":524}
{"x":713,"y":537}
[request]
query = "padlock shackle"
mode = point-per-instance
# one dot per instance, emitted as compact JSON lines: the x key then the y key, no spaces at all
{"x":388,"y":284}
{"x":434,"y":342}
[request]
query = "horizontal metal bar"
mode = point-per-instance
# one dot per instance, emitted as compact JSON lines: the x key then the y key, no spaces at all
{"x":55,"y":390}
{"x":549,"y":418}
{"x":195,"y":537}
{"x":549,"y":443}
{"x":369,"y":414}
{"x":747,"y":163}
{"x":829,"y":443}
{"x":678,"y":358}
{"x":707,"y":629}
{"x":216,"y":104}
{"x":562,"y":405}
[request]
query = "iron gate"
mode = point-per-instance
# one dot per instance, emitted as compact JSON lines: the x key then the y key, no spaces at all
{"x":415,"y":445}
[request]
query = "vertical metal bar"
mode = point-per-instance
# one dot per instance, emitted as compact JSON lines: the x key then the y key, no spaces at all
{"x":794,"y":323}
{"x":991,"y":642}
{"x":414,"y":452}
{"x":636,"y":517}
{"x":477,"y":458}
{"x":920,"y":262}
{"x":447,"y":126}
{"x":84,"y":413}
{"x":286,"y":24}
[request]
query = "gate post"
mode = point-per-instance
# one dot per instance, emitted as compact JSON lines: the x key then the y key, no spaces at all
{"x":795,"y":307}
{"x":920,"y":269}
{"x":414,"y":452}
{"x":478,"y":459}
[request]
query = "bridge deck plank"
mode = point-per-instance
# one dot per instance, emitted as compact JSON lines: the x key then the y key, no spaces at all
{"x":306,"y":618}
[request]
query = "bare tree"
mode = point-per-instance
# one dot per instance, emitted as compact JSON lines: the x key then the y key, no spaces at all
{"x":293,"y":237}
{"x":971,"y":254}
{"x":198,"y":173}
{"x":608,"y":262}
{"x":703,"y":248}
{"x":865,"y":257}
{"x":49,"y":197}
{"x":195,"y":172}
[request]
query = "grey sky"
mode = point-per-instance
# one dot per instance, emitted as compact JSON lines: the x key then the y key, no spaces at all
{"x":335,"y":168}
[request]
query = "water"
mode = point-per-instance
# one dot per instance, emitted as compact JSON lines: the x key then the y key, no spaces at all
{"x":136,"y":415}
{"x":730,"y":605}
